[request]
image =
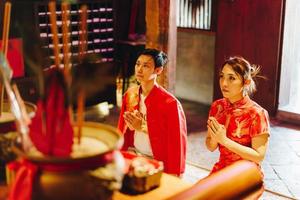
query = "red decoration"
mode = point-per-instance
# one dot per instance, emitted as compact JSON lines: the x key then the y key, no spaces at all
{"x":15,"y":56}
{"x":51,"y":130}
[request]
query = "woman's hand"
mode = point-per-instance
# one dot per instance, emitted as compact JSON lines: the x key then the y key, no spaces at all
{"x":254,"y":153}
{"x":133,"y":120}
{"x":216,"y":130}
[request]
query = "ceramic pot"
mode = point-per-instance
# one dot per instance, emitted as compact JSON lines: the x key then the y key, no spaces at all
{"x":87,"y":176}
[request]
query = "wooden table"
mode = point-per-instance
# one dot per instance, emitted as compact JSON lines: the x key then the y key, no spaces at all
{"x":169,"y":185}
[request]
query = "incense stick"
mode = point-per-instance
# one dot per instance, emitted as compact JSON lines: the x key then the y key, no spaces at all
{"x":56,"y":49}
{"x":5,"y":34}
{"x":65,"y":7}
{"x":80,"y":113}
{"x":6,"y":24}
{"x":22,"y":126}
{"x":66,"y":38}
{"x":22,"y":105}
{"x":83,"y":32}
{"x":82,"y":49}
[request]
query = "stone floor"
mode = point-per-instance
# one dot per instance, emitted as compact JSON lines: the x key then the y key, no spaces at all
{"x":281,"y":165}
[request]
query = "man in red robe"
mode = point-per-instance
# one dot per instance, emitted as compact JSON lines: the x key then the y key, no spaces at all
{"x":151,"y":119}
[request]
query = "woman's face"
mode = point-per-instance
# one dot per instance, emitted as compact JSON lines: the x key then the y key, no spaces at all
{"x":231,"y":84}
{"x":145,"y":70}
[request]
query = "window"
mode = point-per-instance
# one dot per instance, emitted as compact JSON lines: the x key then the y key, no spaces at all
{"x":195,"y":14}
{"x":100,"y":37}
{"x":289,"y":92}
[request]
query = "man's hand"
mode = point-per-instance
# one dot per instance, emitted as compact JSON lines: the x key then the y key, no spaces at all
{"x":133,"y":120}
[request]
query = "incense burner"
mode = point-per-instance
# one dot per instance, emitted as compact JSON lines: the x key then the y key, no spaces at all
{"x":83,"y":175}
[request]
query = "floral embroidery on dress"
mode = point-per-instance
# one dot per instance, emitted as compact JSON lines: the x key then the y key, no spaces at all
{"x":240,"y":130}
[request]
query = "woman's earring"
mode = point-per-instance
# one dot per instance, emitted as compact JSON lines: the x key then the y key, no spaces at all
{"x":245,"y":90}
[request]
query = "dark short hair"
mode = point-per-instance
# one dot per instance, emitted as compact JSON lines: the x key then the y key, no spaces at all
{"x":159,"y":57}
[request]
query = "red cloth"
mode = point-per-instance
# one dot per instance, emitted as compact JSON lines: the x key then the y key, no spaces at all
{"x":166,"y":127}
{"x":50,"y":129}
{"x":22,"y":186}
{"x":243,"y":120}
{"x":15,"y":56}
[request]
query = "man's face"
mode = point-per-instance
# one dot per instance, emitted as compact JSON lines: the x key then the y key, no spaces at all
{"x":145,"y":70}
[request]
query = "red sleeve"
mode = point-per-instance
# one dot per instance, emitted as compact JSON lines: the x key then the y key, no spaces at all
{"x":177,"y":138}
{"x":213,"y":109}
{"x":121,"y":123}
{"x":127,"y":134}
{"x":260,"y":124}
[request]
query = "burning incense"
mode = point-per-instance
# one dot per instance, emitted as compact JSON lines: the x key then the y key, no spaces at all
{"x":19,"y":99}
{"x":22,"y":126}
{"x":56,"y":49}
{"x":5,"y":33}
{"x":65,"y":7}
{"x":6,"y":24}
{"x":80,"y":113}
{"x":83,"y":32}
{"x":82,"y":49}
{"x":66,"y":38}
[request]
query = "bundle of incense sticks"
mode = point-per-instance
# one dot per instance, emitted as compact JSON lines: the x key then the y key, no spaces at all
{"x":51,"y":129}
{"x":16,"y":103}
{"x":66,"y":50}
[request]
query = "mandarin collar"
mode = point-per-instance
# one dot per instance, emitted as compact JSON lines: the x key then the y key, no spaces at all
{"x":238,"y":103}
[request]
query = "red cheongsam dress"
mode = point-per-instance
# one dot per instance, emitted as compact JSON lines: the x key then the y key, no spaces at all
{"x":243,"y":120}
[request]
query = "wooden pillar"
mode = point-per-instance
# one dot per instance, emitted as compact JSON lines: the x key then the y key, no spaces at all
{"x":161,"y":33}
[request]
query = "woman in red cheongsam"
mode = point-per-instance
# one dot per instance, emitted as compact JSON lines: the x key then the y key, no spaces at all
{"x":238,"y":126}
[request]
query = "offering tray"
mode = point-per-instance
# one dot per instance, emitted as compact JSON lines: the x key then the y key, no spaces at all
{"x":141,"y":174}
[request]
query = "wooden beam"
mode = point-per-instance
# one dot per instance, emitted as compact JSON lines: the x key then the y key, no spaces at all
{"x":161,"y":33}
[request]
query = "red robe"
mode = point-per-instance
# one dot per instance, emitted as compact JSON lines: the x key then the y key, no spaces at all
{"x":166,"y":127}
